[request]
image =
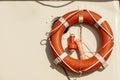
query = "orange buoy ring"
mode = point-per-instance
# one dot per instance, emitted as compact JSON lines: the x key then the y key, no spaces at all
{"x":81,"y":16}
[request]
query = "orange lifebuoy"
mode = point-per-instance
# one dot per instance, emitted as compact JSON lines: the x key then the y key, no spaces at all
{"x":82,"y":16}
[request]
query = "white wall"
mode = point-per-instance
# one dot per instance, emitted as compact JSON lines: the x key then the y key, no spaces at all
{"x":23,"y":25}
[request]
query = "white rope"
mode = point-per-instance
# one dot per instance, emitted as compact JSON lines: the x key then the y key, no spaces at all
{"x":101,"y":59}
{"x":111,"y":37}
{"x":69,"y":16}
{"x":99,"y":25}
{"x":98,"y":61}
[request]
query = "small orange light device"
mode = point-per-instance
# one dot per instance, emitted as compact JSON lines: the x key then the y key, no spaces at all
{"x":72,"y":45}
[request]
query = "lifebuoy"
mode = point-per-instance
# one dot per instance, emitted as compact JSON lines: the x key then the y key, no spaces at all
{"x":81,"y":16}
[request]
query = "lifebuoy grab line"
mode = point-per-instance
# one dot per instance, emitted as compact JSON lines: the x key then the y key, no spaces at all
{"x":60,"y":58}
{"x":63,"y":21}
{"x":99,"y":22}
{"x":100,"y":58}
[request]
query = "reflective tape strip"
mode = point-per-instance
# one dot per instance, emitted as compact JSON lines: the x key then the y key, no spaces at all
{"x":64,"y":22}
{"x":80,"y":19}
{"x":99,"y":22}
{"x":60,"y":58}
{"x":101,"y":59}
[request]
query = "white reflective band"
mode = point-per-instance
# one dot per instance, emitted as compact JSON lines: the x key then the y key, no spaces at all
{"x":99,"y":22}
{"x":64,"y":22}
{"x":60,"y":58}
{"x":101,"y":59}
{"x":80,"y":19}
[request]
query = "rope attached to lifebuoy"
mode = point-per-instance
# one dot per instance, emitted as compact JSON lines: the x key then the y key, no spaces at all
{"x":82,"y":16}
